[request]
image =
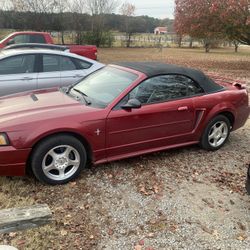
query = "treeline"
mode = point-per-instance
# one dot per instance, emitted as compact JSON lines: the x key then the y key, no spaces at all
{"x":82,"y":24}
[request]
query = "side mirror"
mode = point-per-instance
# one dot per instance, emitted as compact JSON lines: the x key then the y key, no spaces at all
{"x":132,"y":104}
{"x":10,"y":42}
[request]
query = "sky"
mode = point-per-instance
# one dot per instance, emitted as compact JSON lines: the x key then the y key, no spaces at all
{"x":154,"y":8}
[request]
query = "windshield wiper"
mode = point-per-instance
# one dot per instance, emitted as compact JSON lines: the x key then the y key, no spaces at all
{"x":73,"y":85}
{"x":83,"y":95}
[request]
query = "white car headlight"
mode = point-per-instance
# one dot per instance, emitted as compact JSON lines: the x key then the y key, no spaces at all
{"x":4,"y":139}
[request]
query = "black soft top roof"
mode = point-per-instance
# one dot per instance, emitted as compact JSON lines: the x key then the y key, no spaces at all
{"x":156,"y":68}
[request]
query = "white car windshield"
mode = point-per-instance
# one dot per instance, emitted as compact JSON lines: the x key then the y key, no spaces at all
{"x":103,"y":86}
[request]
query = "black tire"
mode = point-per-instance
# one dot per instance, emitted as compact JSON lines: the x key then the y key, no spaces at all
{"x":248,"y":180}
{"x":205,"y":142}
{"x":41,"y":154}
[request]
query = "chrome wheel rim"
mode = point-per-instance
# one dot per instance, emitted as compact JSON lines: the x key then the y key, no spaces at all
{"x":61,"y":162}
{"x":218,"y":134}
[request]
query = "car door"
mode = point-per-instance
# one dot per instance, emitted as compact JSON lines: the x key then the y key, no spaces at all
{"x":49,"y":71}
{"x":72,"y":70}
{"x":17,"y":74}
{"x":166,"y":118}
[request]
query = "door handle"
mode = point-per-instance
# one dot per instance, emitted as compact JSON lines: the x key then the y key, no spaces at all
{"x":27,"y":78}
{"x":184,"y":108}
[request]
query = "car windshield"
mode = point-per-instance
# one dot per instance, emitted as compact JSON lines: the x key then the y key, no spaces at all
{"x":103,"y":86}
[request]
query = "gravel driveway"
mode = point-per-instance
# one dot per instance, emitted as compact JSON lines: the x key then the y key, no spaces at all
{"x":186,"y":198}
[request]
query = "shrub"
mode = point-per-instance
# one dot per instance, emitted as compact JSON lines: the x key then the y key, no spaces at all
{"x":100,"y":39}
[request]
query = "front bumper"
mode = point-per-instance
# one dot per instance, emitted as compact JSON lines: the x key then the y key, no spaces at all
{"x":248,"y":181}
{"x":13,"y":161}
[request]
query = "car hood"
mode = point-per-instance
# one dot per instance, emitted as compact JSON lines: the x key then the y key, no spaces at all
{"x":37,"y":105}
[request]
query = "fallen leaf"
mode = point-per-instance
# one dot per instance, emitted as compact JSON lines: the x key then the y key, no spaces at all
{"x":143,"y":190}
{"x":21,"y":242}
{"x":63,"y":232}
{"x":206,"y":229}
{"x":216,"y":234}
{"x":141,"y":242}
{"x":110,"y":231}
{"x":242,"y":226}
{"x":12,"y":234}
{"x":173,"y":228}
{"x":209,"y":202}
{"x":138,"y":247}
{"x":150,"y":235}
{"x":156,"y":189}
{"x":72,"y":184}
{"x":232,"y":202}
{"x":241,"y":237}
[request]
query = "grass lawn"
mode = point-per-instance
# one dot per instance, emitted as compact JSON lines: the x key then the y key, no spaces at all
{"x":221,"y":61}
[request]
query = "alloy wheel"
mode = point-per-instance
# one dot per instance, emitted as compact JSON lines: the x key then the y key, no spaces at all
{"x":218,"y":134}
{"x":61,"y":162}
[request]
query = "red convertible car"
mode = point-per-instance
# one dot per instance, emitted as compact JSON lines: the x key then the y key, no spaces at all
{"x":119,"y":111}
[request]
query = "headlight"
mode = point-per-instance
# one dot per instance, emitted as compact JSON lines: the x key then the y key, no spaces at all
{"x":4,"y":139}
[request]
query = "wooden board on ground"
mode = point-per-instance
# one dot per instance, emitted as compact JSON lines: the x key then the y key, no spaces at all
{"x":15,"y":219}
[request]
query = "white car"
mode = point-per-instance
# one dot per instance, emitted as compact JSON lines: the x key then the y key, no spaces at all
{"x":29,"y":69}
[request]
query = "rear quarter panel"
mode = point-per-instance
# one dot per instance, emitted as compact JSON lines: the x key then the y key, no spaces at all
{"x":211,"y":105}
{"x":87,"y":51}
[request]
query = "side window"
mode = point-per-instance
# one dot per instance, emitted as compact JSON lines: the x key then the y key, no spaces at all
{"x":21,"y":39}
{"x":17,"y":65}
{"x":83,"y":64}
{"x":164,"y":88}
{"x":67,"y":64}
{"x":51,"y":63}
{"x":193,"y":88}
{"x":37,"y":39}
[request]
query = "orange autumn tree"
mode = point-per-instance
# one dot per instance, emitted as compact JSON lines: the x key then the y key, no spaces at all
{"x":235,"y":15}
{"x":210,"y":20}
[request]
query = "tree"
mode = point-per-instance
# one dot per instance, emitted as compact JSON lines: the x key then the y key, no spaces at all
{"x":128,"y":11}
{"x":38,"y":11}
{"x":235,"y":16}
{"x":78,"y":9}
{"x":37,"y":6}
{"x":199,"y":20}
{"x":97,"y":10}
{"x":210,"y":20}
{"x":5,"y":5}
{"x":60,"y":7}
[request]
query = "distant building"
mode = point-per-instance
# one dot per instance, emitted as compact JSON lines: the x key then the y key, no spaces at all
{"x":161,"y":30}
